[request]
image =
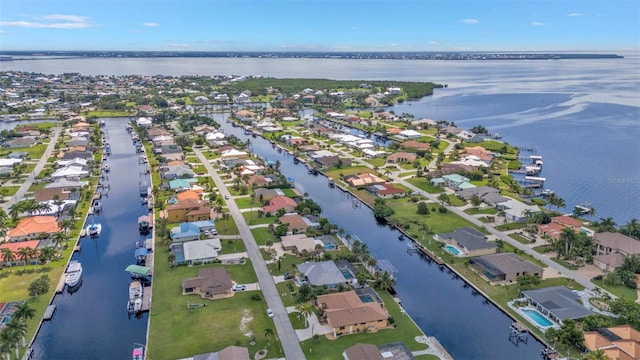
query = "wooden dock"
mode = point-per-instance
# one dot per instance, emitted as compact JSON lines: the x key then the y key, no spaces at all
{"x":48,"y":313}
{"x":146,"y":302}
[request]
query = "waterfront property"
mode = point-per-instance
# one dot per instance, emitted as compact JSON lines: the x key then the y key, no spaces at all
{"x":187,"y":210}
{"x":229,"y":353}
{"x":378,"y":352}
{"x":612,"y":248}
{"x":212,"y":283}
{"x":618,"y":342}
{"x":454,"y":182}
{"x":323,"y":273}
{"x":197,"y":252}
{"x":33,"y":227}
{"x":557,"y":303}
{"x":467,"y":241}
{"x":504,"y":267}
{"x":346,"y":313}
{"x":517,"y":211}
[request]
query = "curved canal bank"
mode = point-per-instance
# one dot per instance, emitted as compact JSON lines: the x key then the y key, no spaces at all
{"x":92,"y":322}
{"x":441,"y":303}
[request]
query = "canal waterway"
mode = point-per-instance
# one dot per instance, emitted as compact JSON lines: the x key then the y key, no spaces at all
{"x":467,"y":324}
{"x":93,"y":322}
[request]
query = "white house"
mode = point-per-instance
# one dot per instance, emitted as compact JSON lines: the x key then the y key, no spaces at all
{"x":410,"y":134}
{"x":144,"y":122}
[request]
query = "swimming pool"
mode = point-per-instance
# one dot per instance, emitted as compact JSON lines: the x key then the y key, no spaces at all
{"x":366,"y":298}
{"x":452,"y":249}
{"x":347,"y":274}
{"x":537,"y":318}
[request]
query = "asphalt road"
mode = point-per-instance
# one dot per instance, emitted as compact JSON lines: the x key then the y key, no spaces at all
{"x":286,"y":333}
{"x":19,"y":195}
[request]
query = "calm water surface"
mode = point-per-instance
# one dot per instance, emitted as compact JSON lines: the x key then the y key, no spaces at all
{"x":466,"y":324}
{"x":93,"y":322}
{"x":583,"y":116}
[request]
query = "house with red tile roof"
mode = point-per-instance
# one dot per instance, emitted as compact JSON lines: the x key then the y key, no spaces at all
{"x":279,"y":202}
{"x":33,"y":227}
{"x":296,"y":223}
{"x":363,"y":180}
{"x":385,"y":191}
{"x":618,"y":342}
{"x":481,"y":153}
{"x":14,"y":248}
{"x":567,"y":221}
{"x":346,"y":314}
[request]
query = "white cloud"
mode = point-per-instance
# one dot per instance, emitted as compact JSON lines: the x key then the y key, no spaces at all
{"x":469,"y":21}
{"x":53,"y":21}
{"x":537,"y":23}
{"x":575,"y":14}
{"x":150,"y":24}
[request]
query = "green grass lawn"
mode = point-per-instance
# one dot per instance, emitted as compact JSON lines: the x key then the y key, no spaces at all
{"x":423,"y":184}
{"x":620,"y":291}
{"x":287,"y":264}
{"x":405,"y":331}
{"x":252,"y":218}
{"x":231,"y":246}
{"x":217,"y":325}
{"x":511,"y":226}
{"x":8,"y":190}
{"x":352,"y":170}
{"x":245,"y":203}
{"x":107,"y":113}
{"x":405,"y":213}
{"x":262,"y":235}
{"x":474,"y":211}
{"x":226,"y":227}
{"x":521,"y":239}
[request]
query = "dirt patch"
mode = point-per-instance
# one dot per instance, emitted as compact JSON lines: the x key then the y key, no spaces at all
{"x":244,"y":323}
{"x":549,"y":272}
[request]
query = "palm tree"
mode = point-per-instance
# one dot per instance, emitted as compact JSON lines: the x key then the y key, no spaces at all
{"x":43,"y":207}
{"x":23,"y":253}
{"x":551,"y":200}
{"x":19,"y":328}
{"x":607,"y":225}
{"x":384,"y":280}
{"x":305,"y":309}
{"x":632,"y":228}
{"x":8,"y":341}
{"x":58,"y":203}
{"x":560,"y":203}
{"x":59,"y":238}
{"x":15,"y":210}
{"x":8,"y":256}
{"x":67,"y":224}
{"x":268,"y":333}
{"x":3,"y":219}
{"x":47,"y":253}
{"x":597,"y":355}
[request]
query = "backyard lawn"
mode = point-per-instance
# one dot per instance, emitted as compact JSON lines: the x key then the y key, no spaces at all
{"x":219,"y":324}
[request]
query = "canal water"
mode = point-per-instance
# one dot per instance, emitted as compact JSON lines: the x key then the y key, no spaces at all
{"x":93,"y":322}
{"x":466,"y":324}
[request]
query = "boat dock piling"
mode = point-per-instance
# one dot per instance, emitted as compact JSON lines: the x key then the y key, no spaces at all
{"x":48,"y":313}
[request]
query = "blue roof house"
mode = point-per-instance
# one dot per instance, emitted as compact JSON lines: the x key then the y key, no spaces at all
{"x":185,"y":232}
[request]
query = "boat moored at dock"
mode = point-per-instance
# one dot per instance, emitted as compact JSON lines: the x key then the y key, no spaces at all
{"x":74,"y":273}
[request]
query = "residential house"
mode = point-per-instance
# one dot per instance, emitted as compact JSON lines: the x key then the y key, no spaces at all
{"x":185,"y":232}
{"x":182,"y":184}
{"x":144,"y":122}
{"x":363,"y":180}
{"x":517,"y":211}
{"x":50,"y":194}
{"x":299,"y":244}
{"x":178,"y":171}
{"x":189,"y":194}
{"x":557,"y":302}
{"x":323,"y":273}
{"x":487,"y":194}
{"x":279,"y":202}
{"x":212,"y":283}
{"x":346,"y":314}
{"x":229,"y":353}
{"x":201,"y":251}
{"x":257,"y":180}
{"x":386,"y":191}
{"x":481,"y":153}
{"x":81,"y":126}
{"x":73,"y":172}
{"x":454,"y":182}
{"x":332,"y":161}
{"x":21,"y":142}
{"x":188,"y":210}
{"x":410,"y":134}
{"x":14,"y":247}
{"x":401,"y":157}
{"x":619,"y":342}
{"x":470,"y":241}
{"x":297,"y":223}
{"x":504,"y":267}
{"x":612,"y":248}
{"x":34,"y":227}
{"x":267,"y":194}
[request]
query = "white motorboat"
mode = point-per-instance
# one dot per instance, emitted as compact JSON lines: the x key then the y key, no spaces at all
{"x":94,"y":229}
{"x":74,"y":273}
{"x":135,"y":290}
{"x":134,"y":306}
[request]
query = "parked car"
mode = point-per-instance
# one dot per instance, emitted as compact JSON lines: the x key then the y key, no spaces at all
{"x":288,"y":276}
{"x":269,"y":313}
{"x":226,"y":197}
{"x":239,"y":287}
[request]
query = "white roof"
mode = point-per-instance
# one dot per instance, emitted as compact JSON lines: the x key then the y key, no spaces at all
{"x":9,"y":162}
{"x":76,"y":161}
{"x":201,"y":249}
{"x":233,"y":152}
{"x":469,"y":160}
{"x":214,"y":136}
{"x":70,"y":171}
{"x":410,"y":133}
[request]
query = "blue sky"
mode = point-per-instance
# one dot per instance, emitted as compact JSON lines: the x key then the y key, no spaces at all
{"x":327,"y":25}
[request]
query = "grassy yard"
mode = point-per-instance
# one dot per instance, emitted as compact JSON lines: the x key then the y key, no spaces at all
{"x":252,"y":218}
{"x":405,"y":331}
{"x":218,"y":324}
{"x":510,"y":226}
{"x":245,"y":203}
{"x":262,"y":235}
{"x":423,"y":184}
{"x":476,"y":211}
{"x":10,"y":190}
{"x":352,"y":170}
{"x":227,"y":227}
{"x":287,"y":264}
{"x":405,"y":213}
{"x":231,"y":246}
{"x":620,"y":291}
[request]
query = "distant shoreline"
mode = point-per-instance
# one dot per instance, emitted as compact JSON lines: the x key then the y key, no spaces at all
{"x":457,"y":56}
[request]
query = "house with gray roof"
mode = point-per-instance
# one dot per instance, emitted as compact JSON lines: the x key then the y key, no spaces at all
{"x":201,"y":251}
{"x":504,"y":267}
{"x":471,"y":241}
{"x":178,"y":172}
{"x":557,"y":302}
{"x":321,"y":273}
{"x":612,"y":248}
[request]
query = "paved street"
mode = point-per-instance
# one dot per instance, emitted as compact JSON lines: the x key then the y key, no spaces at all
{"x":32,"y":176}
{"x":287,"y":334}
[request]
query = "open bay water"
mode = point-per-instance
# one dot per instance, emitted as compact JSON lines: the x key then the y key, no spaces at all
{"x":93,"y":322}
{"x":582,"y":116}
